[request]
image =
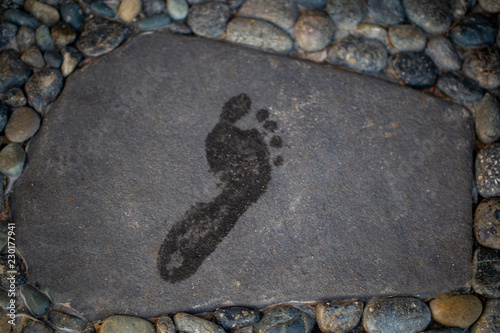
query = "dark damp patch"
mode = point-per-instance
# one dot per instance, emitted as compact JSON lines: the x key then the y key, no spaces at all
{"x":241,"y":159}
{"x":278,"y":160}
{"x":276,"y":142}
{"x":270,"y":125}
{"x":262,"y":115}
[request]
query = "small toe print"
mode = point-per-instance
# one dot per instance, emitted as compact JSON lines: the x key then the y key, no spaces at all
{"x":270,"y":125}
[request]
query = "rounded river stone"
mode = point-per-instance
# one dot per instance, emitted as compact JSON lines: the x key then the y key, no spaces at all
{"x":454,"y":310}
{"x":100,"y":36}
{"x":338,"y":317}
{"x":359,"y":53}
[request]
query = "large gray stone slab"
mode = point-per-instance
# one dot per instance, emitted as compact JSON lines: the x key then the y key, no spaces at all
{"x":144,"y":193}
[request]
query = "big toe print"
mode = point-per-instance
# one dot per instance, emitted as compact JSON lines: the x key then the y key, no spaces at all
{"x":241,"y":160}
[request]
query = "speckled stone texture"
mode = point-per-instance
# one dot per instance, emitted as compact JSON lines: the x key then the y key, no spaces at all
{"x":361,"y":189}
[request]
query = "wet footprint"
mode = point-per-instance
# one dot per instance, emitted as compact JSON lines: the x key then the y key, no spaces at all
{"x":241,"y":160}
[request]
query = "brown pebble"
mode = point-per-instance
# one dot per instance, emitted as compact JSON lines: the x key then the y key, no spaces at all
{"x":456,"y":310}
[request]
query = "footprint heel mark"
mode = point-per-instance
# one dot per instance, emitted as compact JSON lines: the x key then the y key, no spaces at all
{"x":241,"y":160}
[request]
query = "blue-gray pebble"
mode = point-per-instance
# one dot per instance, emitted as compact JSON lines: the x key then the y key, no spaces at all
{"x":153,"y":7}
{"x":461,"y":90}
{"x":66,"y":321}
{"x":482,"y":66}
{"x":53,"y":59}
{"x":415,"y":69}
{"x":72,"y":13}
{"x":33,"y":58}
{"x":236,"y":317}
{"x":283,"y":13}
{"x":431,"y":15}
{"x":101,"y":8}
{"x":100,"y":36}
{"x":359,"y":53}
{"x":20,"y":18}
{"x":285,"y":319}
{"x":346,"y":13}
{"x":460,"y":7}
{"x":177,"y":9}
{"x":13,"y":72}
{"x":476,"y":30}
{"x":37,"y":302}
{"x":4,"y":117}
{"x":387,"y":11}
{"x":7,"y":32}
{"x":443,"y":53}
{"x":407,"y":38}
{"x":43,"y":87}
{"x":25,"y":38}
{"x":313,"y":4}
{"x":208,"y":19}
{"x":487,"y":119}
{"x":486,"y":262}
{"x":14,"y":98}
{"x":44,"y":39}
{"x":154,"y":22}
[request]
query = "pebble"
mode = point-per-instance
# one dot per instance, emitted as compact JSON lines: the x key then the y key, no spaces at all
{"x":461,"y":90}
{"x":71,"y":59}
{"x":177,"y":9}
{"x":11,"y":165}
{"x":235,"y":4}
{"x":476,"y":30}
{"x":387,"y":11}
{"x":100,"y":36}
{"x":489,"y":320}
{"x":153,"y":7}
{"x":23,"y":123}
{"x":37,"y":302}
{"x":4,"y":117}
{"x":394,"y":315}
{"x":66,"y":322}
{"x":208,"y":19}
{"x":129,"y":9}
{"x":487,"y":120}
{"x":46,"y":14}
{"x":43,"y":87}
{"x":126,"y":324}
{"x":487,"y":223}
{"x":7,"y":32}
{"x":25,"y":38}
{"x":11,"y":154}
{"x":31,"y":325}
{"x":14,"y":97}
{"x":13,"y":72}
{"x":491,"y":6}
{"x":313,"y":31}
{"x":443,"y":53}
{"x":359,"y":53}
{"x":313,"y":4}
{"x":179,"y":28}
{"x":337,"y":317}
{"x":236,"y":318}
{"x":284,"y":319}
{"x":373,"y":31}
{"x":101,"y":8}
{"x":44,"y":39}
{"x":454,"y":310}
{"x":185,"y":322}
{"x":460,"y":7}
{"x":4,"y":295}
{"x":485,"y":272}
{"x":415,"y":69}
{"x":258,"y":33}
{"x":53,"y":59}
{"x":62,"y":34}
{"x":482,"y":66}
{"x":283,"y":13}
{"x":154,"y":22}
{"x":33,"y":57}
{"x":20,"y":18}
{"x":346,"y":14}
{"x":430,"y":15}
{"x":164,"y":324}
{"x":488,"y":170}
{"x":407,"y":38}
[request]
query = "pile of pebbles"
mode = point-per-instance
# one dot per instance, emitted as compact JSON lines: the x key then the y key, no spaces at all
{"x":448,"y":48}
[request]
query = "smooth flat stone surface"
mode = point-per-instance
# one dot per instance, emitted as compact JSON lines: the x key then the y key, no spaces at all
{"x":142,"y":195}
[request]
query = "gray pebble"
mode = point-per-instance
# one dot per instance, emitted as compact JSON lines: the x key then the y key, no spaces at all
{"x":395,"y":315}
{"x":153,"y":7}
{"x":71,"y":59}
{"x":338,"y":317}
{"x":27,"y":324}
{"x":25,"y":38}
{"x":235,"y":4}
{"x":491,"y":6}
{"x":126,"y":324}
{"x":62,"y":34}
{"x":487,"y":223}
{"x":164,"y":324}
{"x":460,"y":7}
{"x":100,"y":36}
{"x":23,"y":123}
{"x":313,"y":4}
{"x":20,"y":18}
{"x":407,"y":38}
{"x":33,"y":58}
{"x":65,"y":321}
{"x":208,"y":19}
{"x":313,"y":31}
{"x":7,"y":32}
{"x":37,"y":302}
{"x":43,"y":87}
{"x":177,"y":9}
{"x":359,"y":53}
{"x":44,"y":39}
{"x":185,"y":322}
{"x":179,"y":28}
{"x":12,"y":159}
{"x":154,"y":22}
{"x":53,"y":59}
{"x":4,"y":117}
{"x":490,"y":318}
{"x":374,"y":31}
{"x":431,"y":15}
{"x":485,"y":272}
{"x":4,"y":295}
{"x":285,"y":319}
{"x":449,"y":330}
{"x":46,"y":14}
{"x":415,"y":69}
{"x":258,"y":33}
{"x":443,"y":53}
{"x":72,"y":13}
{"x":488,"y":171}
{"x":13,"y":72}
{"x":283,"y":13}
{"x":346,"y":13}
{"x":236,"y":318}
{"x":476,"y":30}
{"x":487,"y":118}
{"x":387,"y":11}
{"x":461,"y":90}
{"x":101,"y":8}
{"x":482,"y":66}
{"x":14,"y":98}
